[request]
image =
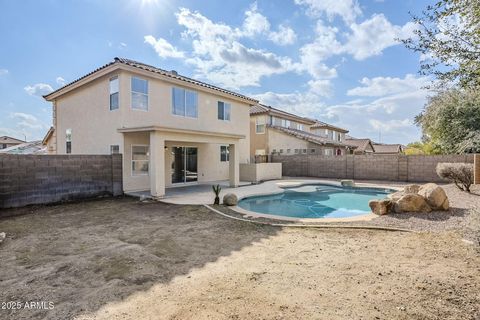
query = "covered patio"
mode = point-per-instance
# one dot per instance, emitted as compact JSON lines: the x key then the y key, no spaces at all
{"x":173,"y":158}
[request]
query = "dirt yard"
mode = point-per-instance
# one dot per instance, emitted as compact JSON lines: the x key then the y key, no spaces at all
{"x":121,"y":259}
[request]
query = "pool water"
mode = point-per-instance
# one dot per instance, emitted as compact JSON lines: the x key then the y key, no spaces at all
{"x":316,"y":201}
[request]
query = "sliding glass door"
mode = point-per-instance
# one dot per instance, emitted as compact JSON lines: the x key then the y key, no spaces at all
{"x":184,"y":164}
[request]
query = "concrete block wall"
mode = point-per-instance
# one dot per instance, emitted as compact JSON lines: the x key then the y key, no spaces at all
{"x":43,"y":179}
{"x":368,"y":167}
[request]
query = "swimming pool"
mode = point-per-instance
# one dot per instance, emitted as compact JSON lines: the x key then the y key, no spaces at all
{"x":316,"y":201}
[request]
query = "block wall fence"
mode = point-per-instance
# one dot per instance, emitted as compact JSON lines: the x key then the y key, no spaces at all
{"x":413,"y":168}
{"x":43,"y":179}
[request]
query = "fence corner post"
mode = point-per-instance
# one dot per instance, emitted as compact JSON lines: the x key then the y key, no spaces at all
{"x":476,"y":168}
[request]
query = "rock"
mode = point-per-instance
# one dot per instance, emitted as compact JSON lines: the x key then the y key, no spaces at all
{"x":411,"y":203}
{"x":347,"y":183}
{"x":411,"y":188}
{"x":396,"y":195}
{"x":2,"y":236}
{"x":435,"y":196}
{"x":381,"y":207}
{"x":230,"y":199}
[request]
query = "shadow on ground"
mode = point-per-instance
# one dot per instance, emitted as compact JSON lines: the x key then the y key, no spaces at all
{"x":81,"y":256}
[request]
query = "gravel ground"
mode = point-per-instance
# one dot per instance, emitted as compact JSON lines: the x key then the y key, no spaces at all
{"x":121,"y":259}
{"x":463,"y":216}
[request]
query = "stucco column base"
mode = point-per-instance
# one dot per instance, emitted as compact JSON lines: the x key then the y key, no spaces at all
{"x":157,"y":165}
{"x":234,"y":166}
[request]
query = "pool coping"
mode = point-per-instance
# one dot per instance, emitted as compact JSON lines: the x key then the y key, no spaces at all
{"x":285,"y":184}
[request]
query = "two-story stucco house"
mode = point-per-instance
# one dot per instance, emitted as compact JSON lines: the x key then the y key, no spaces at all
{"x":274,"y":131}
{"x":172,"y":130}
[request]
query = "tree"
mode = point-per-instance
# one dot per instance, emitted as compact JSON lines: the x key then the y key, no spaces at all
{"x":447,"y":35}
{"x":450,"y":121}
{"x":421,"y":148}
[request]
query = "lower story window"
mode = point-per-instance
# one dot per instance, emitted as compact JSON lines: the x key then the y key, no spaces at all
{"x":329,"y":152}
{"x":68,"y":141}
{"x":140,"y":157}
{"x":304,"y":151}
{"x":114,"y":149}
{"x":224,"y":154}
{"x":312,"y":150}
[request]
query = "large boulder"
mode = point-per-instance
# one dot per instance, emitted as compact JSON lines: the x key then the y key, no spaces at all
{"x":411,"y":188}
{"x":396,"y":195}
{"x":411,"y":203}
{"x":435,"y":196}
{"x":230,"y":199}
{"x":381,"y":207}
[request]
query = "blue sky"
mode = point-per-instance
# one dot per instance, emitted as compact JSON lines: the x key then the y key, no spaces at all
{"x":335,"y":60}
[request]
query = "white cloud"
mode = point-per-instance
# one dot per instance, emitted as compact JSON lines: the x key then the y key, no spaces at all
{"x":3,"y":72}
{"x":315,"y":53}
{"x":38,"y":89}
{"x":219,"y":56}
{"x":284,"y":36}
{"x":163,"y":48}
{"x":25,"y":120}
{"x":390,"y":125}
{"x":372,"y":36}
{"x":348,"y":10}
{"x":60,"y":81}
{"x":321,"y":87}
{"x":254,"y":23}
{"x":382,"y":86}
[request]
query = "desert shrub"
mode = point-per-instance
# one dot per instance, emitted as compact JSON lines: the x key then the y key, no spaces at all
{"x":459,"y":173}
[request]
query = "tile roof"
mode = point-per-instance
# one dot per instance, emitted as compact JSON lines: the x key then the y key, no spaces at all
{"x":261,"y":108}
{"x":320,"y":124}
{"x":387,"y":148}
{"x":359,"y":144}
{"x":146,"y":67}
{"x":7,"y":139}
{"x":311,"y":137}
{"x":33,"y":147}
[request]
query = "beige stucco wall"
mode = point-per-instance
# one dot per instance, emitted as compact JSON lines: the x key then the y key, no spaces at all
{"x":278,"y":140}
{"x":86,"y":112}
{"x":258,"y":141}
{"x":256,"y":172}
{"x":209,"y":166}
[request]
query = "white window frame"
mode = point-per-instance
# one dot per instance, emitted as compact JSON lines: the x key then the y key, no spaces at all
{"x":111,"y":93}
{"x":131,"y":160}
{"x":68,"y":138}
{"x":144,"y":94}
{"x":257,"y":124}
{"x":111,"y":148}
{"x":225,"y":104}
{"x":184,"y":115}
{"x":227,"y":150}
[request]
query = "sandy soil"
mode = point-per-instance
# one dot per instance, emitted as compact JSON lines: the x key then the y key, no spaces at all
{"x":120,"y":259}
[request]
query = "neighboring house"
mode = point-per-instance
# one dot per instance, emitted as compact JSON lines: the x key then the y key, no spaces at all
{"x":49,"y":141}
{"x":33,"y":147}
{"x":383,"y":148}
{"x":6,"y":142}
{"x":359,"y":146}
{"x":172,"y":130}
{"x":273,"y":131}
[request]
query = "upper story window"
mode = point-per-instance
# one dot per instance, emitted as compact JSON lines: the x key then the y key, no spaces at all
{"x":184,"y":102}
{"x":68,"y":141}
{"x":114,"y":93}
{"x":114,"y":149}
{"x":139,"y":93}
{"x":260,"y":125}
{"x":224,"y":110}
{"x":300,"y":127}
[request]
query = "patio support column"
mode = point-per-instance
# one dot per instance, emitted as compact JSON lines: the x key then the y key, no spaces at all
{"x":157,"y":164}
{"x":234,"y":166}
